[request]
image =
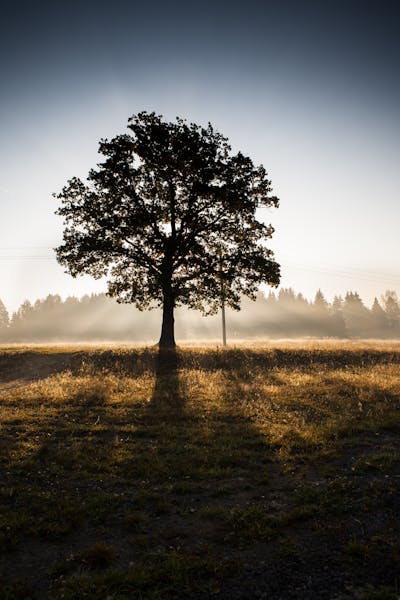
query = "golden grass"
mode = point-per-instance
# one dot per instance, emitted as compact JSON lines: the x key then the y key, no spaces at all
{"x":107,"y":447}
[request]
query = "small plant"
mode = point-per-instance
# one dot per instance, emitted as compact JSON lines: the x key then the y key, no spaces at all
{"x":356,"y":550}
{"x":370,"y":593}
{"x":16,"y":591}
{"x":248,"y":523}
{"x":98,"y":556}
{"x":134,"y":519}
{"x":153,"y":503}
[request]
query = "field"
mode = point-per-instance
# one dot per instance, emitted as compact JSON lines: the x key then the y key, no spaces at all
{"x":251,"y":472}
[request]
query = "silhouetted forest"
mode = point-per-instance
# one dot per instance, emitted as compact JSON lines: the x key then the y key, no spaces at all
{"x":279,"y":315}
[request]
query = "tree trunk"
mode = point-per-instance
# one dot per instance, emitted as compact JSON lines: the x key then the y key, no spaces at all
{"x":167,"y":338}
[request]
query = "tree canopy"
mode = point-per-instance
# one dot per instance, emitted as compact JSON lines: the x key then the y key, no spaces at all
{"x":169,"y":217}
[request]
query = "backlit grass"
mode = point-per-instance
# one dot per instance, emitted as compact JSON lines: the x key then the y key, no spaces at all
{"x":129,"y":475}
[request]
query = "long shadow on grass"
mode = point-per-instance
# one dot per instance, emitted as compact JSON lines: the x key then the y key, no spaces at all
{"x":206,"y":466}
{"x":203,"y":444}
{"x":34,"y":365}
{"x":241,"y":359}
{"x":167,"y":393}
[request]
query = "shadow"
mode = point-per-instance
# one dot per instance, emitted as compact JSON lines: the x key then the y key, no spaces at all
{"x":184,"y":462}
{"x":242,"y":359}
{"x":37,"y":364}
{"x":32,"y":365}
{"x":203,"y":442}
{"x":167,"y":397}
{"x":166,"y":392}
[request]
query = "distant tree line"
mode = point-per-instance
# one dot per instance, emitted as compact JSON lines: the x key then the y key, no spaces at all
{"x":279,"y":315}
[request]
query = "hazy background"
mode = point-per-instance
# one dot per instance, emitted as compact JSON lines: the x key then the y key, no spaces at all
{"x":285,"y":314}
{"x":309,"y":89}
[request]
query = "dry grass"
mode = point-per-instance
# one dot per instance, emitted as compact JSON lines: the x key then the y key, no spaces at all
{"x":201,"y":474}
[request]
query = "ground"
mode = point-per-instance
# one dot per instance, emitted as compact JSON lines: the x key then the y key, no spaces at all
{"x":250,"y":472}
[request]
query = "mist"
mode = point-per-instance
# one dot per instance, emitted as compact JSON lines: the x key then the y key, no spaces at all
{"x":284,"y":314}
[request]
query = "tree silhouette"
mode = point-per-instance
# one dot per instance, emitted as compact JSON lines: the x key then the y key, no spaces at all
{"x":4,"y":320}
{"x":392,"y":310}
{"x":320,"y":303}
{"x":168,"y":214}
{"x":321,"y":314}
{"x":379,"y":319}
{"x":356,"y":315}
{"x":338,"y":322}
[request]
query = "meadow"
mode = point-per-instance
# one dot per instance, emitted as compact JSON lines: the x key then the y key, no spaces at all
{"x":258,"y":471}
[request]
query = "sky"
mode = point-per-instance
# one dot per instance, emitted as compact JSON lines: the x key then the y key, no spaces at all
{"x":309,"y":89}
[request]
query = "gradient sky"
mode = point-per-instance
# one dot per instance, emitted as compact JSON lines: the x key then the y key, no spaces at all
{"x":309,"y":89}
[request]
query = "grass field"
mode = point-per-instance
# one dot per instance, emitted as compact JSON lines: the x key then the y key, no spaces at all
{"x":251,"y":472}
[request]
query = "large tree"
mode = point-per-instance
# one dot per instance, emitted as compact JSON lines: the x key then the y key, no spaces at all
{"x":169,"y":217}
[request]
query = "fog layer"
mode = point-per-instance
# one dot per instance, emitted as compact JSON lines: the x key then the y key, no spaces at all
{"x":282,"y":315}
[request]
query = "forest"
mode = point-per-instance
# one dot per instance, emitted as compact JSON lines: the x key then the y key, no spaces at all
{"x":285,"y":314}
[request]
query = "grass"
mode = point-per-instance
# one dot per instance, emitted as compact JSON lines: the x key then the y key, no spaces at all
{"x":227,"y":473}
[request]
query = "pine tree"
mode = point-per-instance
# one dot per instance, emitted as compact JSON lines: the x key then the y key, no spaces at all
{"x":337,"y":319}
{"x":321,"y":316}
{"x":356,"y":315}
{"x":320,"y":303}
{"x":392,"y":309}
{"x":379,"y":320}
{"x":4,"y":321}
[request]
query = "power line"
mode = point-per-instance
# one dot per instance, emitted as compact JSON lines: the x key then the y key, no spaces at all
{"x":350,"y":274}
{"x":355,"y":273}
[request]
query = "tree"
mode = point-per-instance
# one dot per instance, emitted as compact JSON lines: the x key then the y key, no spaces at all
{"x":169,"y":217}
{"x":337,"y":320}
{"x":392,"y":309}
{"x":21,"y":321}
{"x":287,"y":298}
{"x":321,"y":315}
{"x":356,"y":315}
{"x":4,"y":320}
{"x":379,"y":320}
{"x":302,"y":302}
{"x":320,"y":304}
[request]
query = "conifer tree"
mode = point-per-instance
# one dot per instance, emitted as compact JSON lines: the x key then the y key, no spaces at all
{"x":4,"y":320}
{"x":338,"y":323}
{"x":379,"y":320}
{"x":392,"y":310}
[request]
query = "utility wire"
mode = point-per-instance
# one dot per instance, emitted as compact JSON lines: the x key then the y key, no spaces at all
{"x":340,"y":271}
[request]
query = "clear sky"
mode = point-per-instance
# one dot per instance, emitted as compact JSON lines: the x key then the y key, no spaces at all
{"x":309,"y":89}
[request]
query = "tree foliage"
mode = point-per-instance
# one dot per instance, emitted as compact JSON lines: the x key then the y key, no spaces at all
{"x":4,"y":318}
{"x":169,"y":213}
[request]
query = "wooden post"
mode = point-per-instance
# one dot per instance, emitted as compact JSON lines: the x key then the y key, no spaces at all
{"x":222,"y":300}
{"x":223,"y":322}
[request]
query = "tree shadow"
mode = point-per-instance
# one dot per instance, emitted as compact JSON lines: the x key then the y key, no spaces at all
{"x":33,"y":365}
{"x":167,"y":393}
{"x":18,"y":366}
{"x":242,"y":359}
{"x":207,"y":440}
